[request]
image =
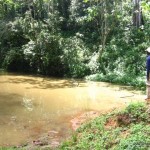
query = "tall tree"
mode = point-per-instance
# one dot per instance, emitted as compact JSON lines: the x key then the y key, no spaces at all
{"x":137,"y":13}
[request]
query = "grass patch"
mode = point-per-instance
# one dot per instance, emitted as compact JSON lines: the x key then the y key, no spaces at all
{"x":5,"y":148}
{"x":128,"y":129}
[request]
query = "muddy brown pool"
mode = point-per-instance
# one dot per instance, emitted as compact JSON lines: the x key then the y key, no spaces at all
{"x":31,"y":106}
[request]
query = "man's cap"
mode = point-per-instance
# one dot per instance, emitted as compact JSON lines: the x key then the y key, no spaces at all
{"x":148,"y":49}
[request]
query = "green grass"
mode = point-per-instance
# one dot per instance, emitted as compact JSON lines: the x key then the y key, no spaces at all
{"x":128,"y":129}
{"x":2,"y":148}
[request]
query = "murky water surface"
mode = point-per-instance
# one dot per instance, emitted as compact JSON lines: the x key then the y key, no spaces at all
{"x":31,"y":106}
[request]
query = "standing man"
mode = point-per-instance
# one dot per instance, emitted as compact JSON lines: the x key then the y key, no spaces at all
{"x":148,"y":73}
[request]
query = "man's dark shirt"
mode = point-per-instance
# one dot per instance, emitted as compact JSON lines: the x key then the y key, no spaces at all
{"x":148,"y":66}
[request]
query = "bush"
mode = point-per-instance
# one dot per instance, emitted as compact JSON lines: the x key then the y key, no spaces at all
{"x":135,"y":112}
{"x":124,"y":79}
{"x":14,"y":61}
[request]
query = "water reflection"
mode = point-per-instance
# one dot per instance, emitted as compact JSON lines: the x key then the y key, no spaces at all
{"x":31,"y":106}
{"x":28,"y":103}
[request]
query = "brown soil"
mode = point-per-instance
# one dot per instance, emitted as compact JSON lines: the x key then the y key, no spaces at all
{"x":111,"y":123}
{"x":123,"y":119}
{"x":82,"y":118}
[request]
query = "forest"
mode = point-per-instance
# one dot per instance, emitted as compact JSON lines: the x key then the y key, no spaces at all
{"x":72,"y":40}
{"x":76,"y":38}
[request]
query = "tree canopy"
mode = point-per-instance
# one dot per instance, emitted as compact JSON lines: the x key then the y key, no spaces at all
{"x":74,"y":37}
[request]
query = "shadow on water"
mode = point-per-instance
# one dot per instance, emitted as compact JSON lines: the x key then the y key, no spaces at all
{"x":45,"y":83}
{"x":40,"y":82}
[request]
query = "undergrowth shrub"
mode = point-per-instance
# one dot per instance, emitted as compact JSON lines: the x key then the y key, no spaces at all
{"x":14,"y":61}
{"x":135,"y":112}
{"x":125,"y":79}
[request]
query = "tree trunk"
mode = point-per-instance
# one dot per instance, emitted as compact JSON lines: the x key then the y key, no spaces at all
{"x":137,"y":15}
{"x":104,"y":29}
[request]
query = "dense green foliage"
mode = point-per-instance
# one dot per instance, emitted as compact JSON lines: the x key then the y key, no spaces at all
{"x":73,"y":37}
{"x":123,"y":130}
{"x":138,"y":82}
